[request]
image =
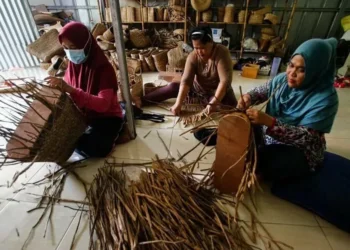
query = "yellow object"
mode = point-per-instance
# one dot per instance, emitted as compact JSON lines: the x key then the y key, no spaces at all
{"x":250,"y":71}
{"x":345,"y":23}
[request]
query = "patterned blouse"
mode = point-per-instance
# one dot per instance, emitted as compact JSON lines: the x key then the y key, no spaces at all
{"x":312,"y":142}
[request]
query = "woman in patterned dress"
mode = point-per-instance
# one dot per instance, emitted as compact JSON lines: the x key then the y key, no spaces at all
{"x":301,"y":110}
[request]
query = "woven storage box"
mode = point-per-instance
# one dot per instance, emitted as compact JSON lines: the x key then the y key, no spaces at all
{"x":130,"y":14}
{"x":271,"y":18}
{"x":159,"y":13}
{"x":160,"y":60}
{"x":139,"y":39}
{"x":207,"y":15}
{"x":150,"y":14}
{"x":221,"y":14}
{"x":55,"y":138}
{"x":46,"y":47}
{"x":98,"y":30}
{"x":256,"y":19}
{"x":241,"y":16}
{"x":229,"y":14}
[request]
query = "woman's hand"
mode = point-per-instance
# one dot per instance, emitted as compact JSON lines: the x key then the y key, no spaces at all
{"x":259,"y":117}
{"x":176,"y":109}
{"x":59,"y":83}
{"x":210,"y":108}
{"x":244,"y":102}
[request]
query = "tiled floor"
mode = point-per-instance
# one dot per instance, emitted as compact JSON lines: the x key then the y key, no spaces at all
{"x":286,"y":222}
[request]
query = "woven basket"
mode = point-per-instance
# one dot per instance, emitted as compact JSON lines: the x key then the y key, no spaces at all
{"x":256,"y":19}
{"x":264,"y":45}
{"x":160,"y":60}
{"x":135,"y":54}
{"x":263,"y":11}
{"x":98,"y":30}
{"x":139,"y":39}
{"x":207,"y":15}
{"x":275,"y":40}
{"x":221,"y":14}
{"x":241,"y":16}
{"x":229,"y":13}
{"x":142,"y":57}
{"x":145,"y":14}
{"x":271,"y":18}
{"x":150,"y":62}
{"x":150,"y":14}
{"x":266,"y":36}
{"x":124,"y":14}
{"x":55,"y":138}
{"x":134,"y":66}
{"x":138,"y":14}
{"x":45,"y":66}
{"x":108,"y":35}
{"x":166,"y":16}
{"x":46,"y":19}
{"x":159,"y":12}
{"x":104,"y":44}
{"x":276,"y":46}
{"x":46,"y":47}
{"x":177,"y":57}
{"x":268,"y":31}
{"x":130,"y":14}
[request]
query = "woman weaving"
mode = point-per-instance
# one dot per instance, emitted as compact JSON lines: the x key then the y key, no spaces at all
{"x":207,"y":75}
{"x":301,"y":109}
{"x":91,"y":82}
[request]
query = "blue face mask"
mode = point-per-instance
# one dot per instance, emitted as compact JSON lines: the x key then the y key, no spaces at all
{"x":77,"y":56}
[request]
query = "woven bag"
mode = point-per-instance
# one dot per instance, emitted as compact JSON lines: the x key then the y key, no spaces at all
{"x":229,"y":13}
{"x":160,"y":60}
{"x":139,"y":39}
{"x":177,"y":57}
{"x":46,"y":47}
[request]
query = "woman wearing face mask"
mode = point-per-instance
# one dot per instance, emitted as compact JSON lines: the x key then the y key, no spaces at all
{"x":208,"y":74}
{"x":91,"y":82}
{"x":300,"y":112}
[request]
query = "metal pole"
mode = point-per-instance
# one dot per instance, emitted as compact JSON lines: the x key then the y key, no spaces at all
{"x":123,"y":69}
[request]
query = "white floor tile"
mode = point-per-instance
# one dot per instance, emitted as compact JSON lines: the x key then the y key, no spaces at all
{"x":338,"y":239}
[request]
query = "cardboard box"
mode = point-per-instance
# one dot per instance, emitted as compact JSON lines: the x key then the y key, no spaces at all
{"x":250,"y":71}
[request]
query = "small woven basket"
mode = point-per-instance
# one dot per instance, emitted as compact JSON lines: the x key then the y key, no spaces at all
{"x":241,"y":16}
{"x":130,"y":14}
{"x":229,"y":13}
{"x":160,"y":60}
{"x":271,"y":18}
{"x":139,"y":39}
{"x":221,"y":14}
{"x":207,"y":15}
{"x":46,"y":47}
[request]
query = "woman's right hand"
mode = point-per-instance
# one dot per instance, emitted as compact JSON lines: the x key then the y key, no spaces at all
{"x":244,"y":102}
{"x":176,"y":109}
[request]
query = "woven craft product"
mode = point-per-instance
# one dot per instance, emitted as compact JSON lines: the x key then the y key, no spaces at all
{"x":145,"y":14}
{"x":139,"y":39}
{"x":275,"y":46}
{"x":135,"y":54}
{"x":266,"y":36}
{"x":233,"y":138}
{"x":275,"y":40}
{"x":150,"y":62}
{"x":263,"y":11}
{"x":177,"y":57}
{"x":271,"y":18}
{"x":98,"y":30}
{"x":166,"y":16}
{"x":159,"y":12}
{"x":268,"y":31}
{"x":160,"y":60}
{"x":108,"y":35}
{"x":150,"y":14}
{"x":200,"y":5}
{"x":241,"y":16}
{"x":104,"y":44}
{"x":229,"y":13}
{"x":142,"y":57}
{"x":138,"y":14}
{"x":124,"y":14}
{"x":264,"y":45}
{"x":46,"y":47}
{"x":130,"y":14}
{"x":256,"y":19}
{"x":207,"y":15}
{"x":49,"y":129}
{"x":221,"y":14}
{"x":46,"y":19}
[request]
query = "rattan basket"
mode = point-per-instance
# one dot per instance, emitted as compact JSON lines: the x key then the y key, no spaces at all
{"x":207,"y":15}
{"x":271,"y":18}
{"x":98,"y":30}
{"x":221,"y":14}
{"x":139,"y":39}
{"x":160,"y":60}
{"x":46,"y":47}
{"x":150,"y":14}
{"x":256,"y":19}
{"x":55,"y":139}
{"x":130,"y":14}
{"x":241,"y":16}
{"x":229,"y":13}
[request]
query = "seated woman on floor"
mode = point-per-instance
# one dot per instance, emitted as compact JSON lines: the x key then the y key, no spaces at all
{"x":301,"y":110}
{"x":207,"y":75}
{"x":92,"y":83}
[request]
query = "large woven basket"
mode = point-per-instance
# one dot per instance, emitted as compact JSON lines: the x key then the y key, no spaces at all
{"x":160,"y":60}
{"x":55,"y":138}
{"x":271,"y":18}
{"x":139,"y":39}
{"x":221,"y":14}
{"x":207,"y":15}
{"x":256,"y":19}
{"x":241,"y":16}
{"x":46,"y":47}
{"x":229,"y":13}
{"x":130,"y":14}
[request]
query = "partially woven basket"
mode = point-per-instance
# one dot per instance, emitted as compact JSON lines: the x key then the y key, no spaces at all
{"x":221,"y":14}
{"x":160,"y":60}
{"x":55,"y":138}
{"x":150,"y":14}
{"x":139,"y":39}
{"x":159,"y":12}
{"x":130,"y":14}
{"x":229,"y":13}
{"x":256,"y":19}
{"x":271,"y":18}
{"x":207,"y":15}
{"x":241,"y":16}
{"x":46,"y":47}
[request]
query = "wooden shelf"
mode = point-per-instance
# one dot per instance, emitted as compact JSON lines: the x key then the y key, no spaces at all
{"x":132,"y":22}
{"x":255,"y":24}
{"x":166,"y":22}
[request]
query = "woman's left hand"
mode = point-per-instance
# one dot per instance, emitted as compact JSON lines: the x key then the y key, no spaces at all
{"x":59,"y":83}
{"x":259,"y":117}
{"x":210,"y":108}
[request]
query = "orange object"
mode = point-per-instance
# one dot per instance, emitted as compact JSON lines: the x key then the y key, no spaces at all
{"x":231,"y":149}
{"x":250,"y":71}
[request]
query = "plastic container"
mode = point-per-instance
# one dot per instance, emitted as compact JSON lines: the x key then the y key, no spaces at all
{"x":250,"y":71}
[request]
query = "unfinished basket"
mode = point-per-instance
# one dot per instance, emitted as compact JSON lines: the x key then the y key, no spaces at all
{"x":207,"y":15}
{"x":241,"y":16}
{"x":159,"y":12}
{"x":221,"y":14}
{"x":124,"y":14}
{"x":160,"y":60}
{"x":46,"y":47}
{"x":229,"y":13}
{"x":256,"y":19}
{"x":271,"y":18}
{"x":49,"y":129}
{"x":139,"y":38}
{"x":268,"y":31}
{"x":150,"y":14}
{"x":98,"y":30}
{"x":130,"y":14}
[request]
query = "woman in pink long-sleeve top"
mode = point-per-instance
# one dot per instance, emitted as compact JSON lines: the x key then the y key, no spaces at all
{"x":91,"y":81}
